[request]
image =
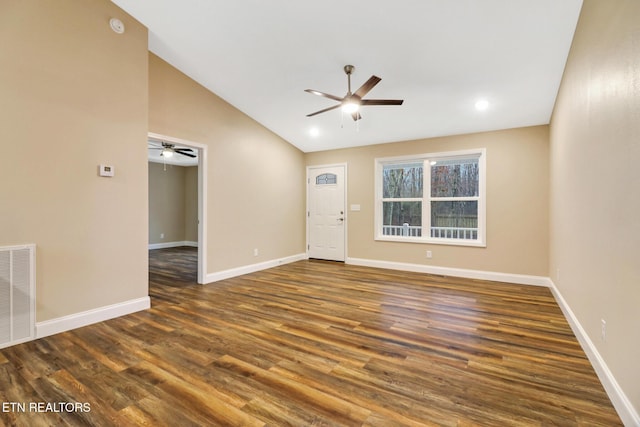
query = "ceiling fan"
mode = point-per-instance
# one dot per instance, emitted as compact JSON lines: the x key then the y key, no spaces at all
{"x":169,"y":149}
{"x":352,"y":102}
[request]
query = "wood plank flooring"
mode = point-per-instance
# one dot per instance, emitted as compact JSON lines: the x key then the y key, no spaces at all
{"x":313,"y":343}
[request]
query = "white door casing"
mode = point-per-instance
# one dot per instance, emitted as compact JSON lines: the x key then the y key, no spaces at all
{"x":202,"y":197}
{"x":326,"y":213}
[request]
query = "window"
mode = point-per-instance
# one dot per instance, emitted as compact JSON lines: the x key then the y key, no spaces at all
{"x":432,"y":198}
{"x":326,"y":179}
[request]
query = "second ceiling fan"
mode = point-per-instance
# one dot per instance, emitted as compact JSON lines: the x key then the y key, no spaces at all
{"x":169,"y":149}
{"x":352,"y":102}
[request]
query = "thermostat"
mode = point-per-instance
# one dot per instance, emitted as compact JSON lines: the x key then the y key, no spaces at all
{"x":106,"y":170}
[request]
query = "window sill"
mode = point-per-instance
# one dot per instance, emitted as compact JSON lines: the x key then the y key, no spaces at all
{"x":431,"y":241}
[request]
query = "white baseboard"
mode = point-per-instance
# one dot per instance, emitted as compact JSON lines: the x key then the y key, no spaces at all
{"x":239,"y":271}
{"x":172,"y":244}
{"x":627,"y":413}
{"x":84,"y":318}
{"x":521,"y":279}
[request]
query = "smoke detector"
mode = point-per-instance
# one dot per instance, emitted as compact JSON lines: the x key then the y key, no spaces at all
{"x":116,"y":25}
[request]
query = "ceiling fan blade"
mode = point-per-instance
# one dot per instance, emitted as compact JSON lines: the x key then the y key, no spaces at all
{"x":367,"y":86}
{"x":381,"y":101}
{"x":356,"y":116}
{"x":326,"y":95}
{"x":185,"y":154}
{"x":183,"y":149}
{"x":323,"y":111}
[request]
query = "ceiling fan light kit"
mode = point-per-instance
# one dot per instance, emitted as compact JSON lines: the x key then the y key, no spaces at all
{"x":352,"y":102}
{"x":350,"y":106}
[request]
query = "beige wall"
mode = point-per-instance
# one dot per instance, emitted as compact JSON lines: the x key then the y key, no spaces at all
{"x":173,"y":203}
{"x":74,"y":95}
{"x":517,"y":202}
{"x":191,"y":204}
{"x":256,"y":191}
{"x":595,"y":198}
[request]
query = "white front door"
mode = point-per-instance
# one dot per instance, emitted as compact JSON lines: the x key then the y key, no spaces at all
{"x":326,"y":213}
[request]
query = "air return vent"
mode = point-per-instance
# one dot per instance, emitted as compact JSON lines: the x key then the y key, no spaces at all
{"x":17,"y":299}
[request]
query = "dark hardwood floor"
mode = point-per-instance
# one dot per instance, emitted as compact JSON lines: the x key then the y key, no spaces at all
{"x":314,"y":343}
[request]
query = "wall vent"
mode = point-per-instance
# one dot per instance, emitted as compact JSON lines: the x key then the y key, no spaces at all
{"x":17,"y":294}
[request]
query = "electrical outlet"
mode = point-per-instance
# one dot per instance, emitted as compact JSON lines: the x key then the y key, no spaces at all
{"x":255,"y":252}
{"x":603,"y":331}
{"x":429,"y":254}
{"x":162,"y":235}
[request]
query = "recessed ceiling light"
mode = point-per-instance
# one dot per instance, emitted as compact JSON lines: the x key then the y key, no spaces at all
{"x":314,"y":132}
{"x":482,"y":104}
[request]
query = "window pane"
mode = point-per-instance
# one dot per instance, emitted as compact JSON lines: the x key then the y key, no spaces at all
{"x":402,"y":219}
{"x":454,"y":220}
{"x":326,"y":178}
{"x":455,"y":178}
{"x":402,"y":181}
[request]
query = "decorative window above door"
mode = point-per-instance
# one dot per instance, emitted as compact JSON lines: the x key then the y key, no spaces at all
{"x":326,"y":178}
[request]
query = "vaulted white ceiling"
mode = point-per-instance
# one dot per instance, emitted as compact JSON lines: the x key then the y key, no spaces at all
{"x":440,"y":56}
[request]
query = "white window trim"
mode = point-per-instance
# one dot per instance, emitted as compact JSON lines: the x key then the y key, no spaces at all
{"x":426,"y":207}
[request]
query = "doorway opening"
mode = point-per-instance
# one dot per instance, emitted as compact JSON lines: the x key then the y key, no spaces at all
{"x":177,"y":201}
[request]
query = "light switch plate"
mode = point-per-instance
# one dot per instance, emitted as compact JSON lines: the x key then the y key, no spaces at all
{"x":355,"y":207}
